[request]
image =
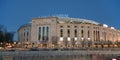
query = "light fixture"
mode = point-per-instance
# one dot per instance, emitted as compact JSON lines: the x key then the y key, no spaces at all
{"x":82,"y":38}
{"x":68,"y":38}
{"x":61,"y":38}
{"x":88,"y":38}
{"x":75,"y":38}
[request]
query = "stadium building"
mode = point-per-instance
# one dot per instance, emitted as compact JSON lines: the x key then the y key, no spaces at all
{"x":66,"y":32}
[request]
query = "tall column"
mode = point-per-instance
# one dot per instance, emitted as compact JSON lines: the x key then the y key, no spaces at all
{"x":79,"y":37}
{"x":85,"y":35}
{"x":92,"y":36}
{"x":95,"y":34}
{"x":112,"y":36}
{"x":106,"y":36}
{"x":45,"y":31}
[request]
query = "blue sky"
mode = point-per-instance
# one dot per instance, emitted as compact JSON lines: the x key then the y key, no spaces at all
{"x":14,"y":13}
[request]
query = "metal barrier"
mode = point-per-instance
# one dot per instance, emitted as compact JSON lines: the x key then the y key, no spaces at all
{"x":58,"y":55}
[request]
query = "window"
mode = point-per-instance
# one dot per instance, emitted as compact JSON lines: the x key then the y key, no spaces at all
{"x":27,"y":33}
{"x":98,"y":35}
{"x":68,"y":32}
{"x":75,"y":26}
{"x":75,"y":32}
{"x":47,"y":33}
{"x":94,"y":35}
{"x":61,"y":32}
{"x":68,"y":26}
{"x":39,"y":36}
{"x":24,"y":34}
{"x":82,"y":26}
{"x":88,"y":27}
{"x":61,"y":26}
{"x":43,"y":33}
{"x":88,"y":33}
{"x":27,"y":39}
{"x":82,"y":33}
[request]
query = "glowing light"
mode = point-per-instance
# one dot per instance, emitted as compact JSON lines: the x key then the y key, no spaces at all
{"x":114,"y":59}
{"x":75,"y":38}
{"x":61,"y":38}
{"x":82,"y":38}
{"x":88,"y":38}
{"x":68,"y":38}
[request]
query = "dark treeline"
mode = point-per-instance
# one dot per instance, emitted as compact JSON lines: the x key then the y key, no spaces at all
{"x":5,"y":37}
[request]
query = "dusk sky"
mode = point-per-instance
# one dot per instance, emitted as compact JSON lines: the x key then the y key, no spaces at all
{"x":14,"y":13}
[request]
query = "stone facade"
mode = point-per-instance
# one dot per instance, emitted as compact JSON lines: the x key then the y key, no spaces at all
{"x":52,"y":32}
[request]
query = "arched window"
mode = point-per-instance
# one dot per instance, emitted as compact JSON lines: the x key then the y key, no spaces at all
{"x":61,"y":32}
{"x":82,"y":33}
{"x":68,"y":32}
{"x":88,"y":34}
{"x":39,"y":35}
{"x":75,"y":32}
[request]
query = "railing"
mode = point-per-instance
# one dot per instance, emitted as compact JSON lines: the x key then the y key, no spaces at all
{"x":57,"y":55}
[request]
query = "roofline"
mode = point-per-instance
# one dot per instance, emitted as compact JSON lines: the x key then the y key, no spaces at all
{"x":24,"y":25}
{"x":45,"y":17}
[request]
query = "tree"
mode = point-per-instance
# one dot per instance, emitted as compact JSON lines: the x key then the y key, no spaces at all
{"x":9,"y":37}
{"x":5,"y":37}
{"x":2,"y":33}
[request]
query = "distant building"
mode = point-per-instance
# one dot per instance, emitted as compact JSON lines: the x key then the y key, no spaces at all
{"x":66,"y":32}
